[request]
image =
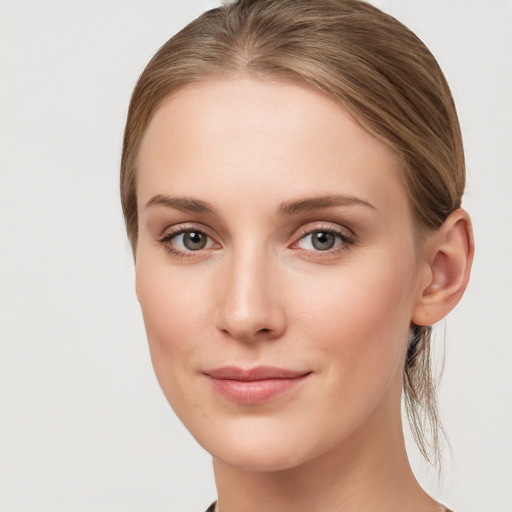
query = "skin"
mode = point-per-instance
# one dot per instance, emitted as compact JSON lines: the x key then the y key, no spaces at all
{"x":260,"y":292}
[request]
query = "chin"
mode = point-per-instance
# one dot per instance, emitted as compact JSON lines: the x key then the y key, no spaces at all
{"x":258,"y":460}
{"x":261,"y":448}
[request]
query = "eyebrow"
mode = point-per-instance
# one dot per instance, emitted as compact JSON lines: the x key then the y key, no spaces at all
{"x":186,"y":204}
{"x":294,"y":207}
{"x":315,"y":203}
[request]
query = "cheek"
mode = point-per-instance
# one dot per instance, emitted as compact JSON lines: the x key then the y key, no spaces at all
{"x":173,"y":311}
{"x":359,"y":318}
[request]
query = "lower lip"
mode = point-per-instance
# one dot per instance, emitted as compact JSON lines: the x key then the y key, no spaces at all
{"x":255,"y":392}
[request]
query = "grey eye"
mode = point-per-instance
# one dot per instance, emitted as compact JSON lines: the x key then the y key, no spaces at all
{"x":193,"y":240}
{"x":323,"y":240}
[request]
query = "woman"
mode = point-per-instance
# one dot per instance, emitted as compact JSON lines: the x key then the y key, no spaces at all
{"x":291,"y":181}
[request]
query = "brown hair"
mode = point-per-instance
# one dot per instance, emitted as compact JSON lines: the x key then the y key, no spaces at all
{"x":361,"y":58}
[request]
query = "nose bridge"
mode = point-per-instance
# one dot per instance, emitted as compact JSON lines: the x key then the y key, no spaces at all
{"x":250,"y":306}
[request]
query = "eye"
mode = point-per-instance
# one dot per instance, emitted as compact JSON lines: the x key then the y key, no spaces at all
{"x":320,"y":240}
{"x":324,"y":240}
{"x":191,"y":240}
{"x":187,"y":241}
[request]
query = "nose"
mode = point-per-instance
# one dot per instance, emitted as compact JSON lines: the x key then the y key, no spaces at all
{"x":250,"y":305}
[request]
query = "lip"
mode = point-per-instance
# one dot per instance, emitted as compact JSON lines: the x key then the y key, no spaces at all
{"x":254,"y":385}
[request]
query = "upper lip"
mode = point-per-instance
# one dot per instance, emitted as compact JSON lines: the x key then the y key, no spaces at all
{"x":254,"y":374}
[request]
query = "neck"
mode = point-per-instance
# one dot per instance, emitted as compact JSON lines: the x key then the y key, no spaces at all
{"x":367,"y":472}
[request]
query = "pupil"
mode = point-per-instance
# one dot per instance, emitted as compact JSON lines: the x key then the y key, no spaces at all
{"x":323,"y":240}
{"x":194,"y":241}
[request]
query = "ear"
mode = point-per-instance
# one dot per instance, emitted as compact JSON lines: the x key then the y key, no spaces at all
{"x":448,"y":256}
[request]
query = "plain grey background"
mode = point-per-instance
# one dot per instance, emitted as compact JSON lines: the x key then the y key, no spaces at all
{"x":83,"y":424}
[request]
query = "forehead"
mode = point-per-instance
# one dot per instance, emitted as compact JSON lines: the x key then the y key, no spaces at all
{"x":237,"y":139}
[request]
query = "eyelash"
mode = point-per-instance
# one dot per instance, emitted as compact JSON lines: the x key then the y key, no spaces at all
{"x":346,"y":241}
{"x":344,"y":236}
{"x":166,"y":239}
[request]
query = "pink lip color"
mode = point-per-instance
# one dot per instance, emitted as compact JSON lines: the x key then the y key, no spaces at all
{"x":255,"y":385}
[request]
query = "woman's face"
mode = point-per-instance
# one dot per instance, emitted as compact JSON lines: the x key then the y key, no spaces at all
{"x":277,"y":271}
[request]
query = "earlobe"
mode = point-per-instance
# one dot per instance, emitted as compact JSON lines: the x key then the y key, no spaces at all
{"x":449,"y":256}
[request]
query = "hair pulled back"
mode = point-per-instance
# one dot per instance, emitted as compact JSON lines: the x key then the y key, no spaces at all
{"x":361,"y":58}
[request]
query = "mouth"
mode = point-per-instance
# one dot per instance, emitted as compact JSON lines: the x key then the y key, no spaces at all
{"x":255,"y":385}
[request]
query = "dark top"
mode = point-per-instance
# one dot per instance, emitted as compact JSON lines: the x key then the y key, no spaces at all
{"x":211,"y":508}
